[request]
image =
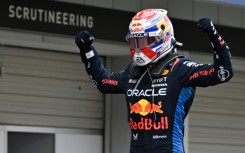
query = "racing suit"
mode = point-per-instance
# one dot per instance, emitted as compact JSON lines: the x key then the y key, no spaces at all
{"x":159,"y":100}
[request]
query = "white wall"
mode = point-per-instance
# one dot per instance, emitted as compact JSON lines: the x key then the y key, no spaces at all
{"x":77,"y":143}
{"x":2,"y":141}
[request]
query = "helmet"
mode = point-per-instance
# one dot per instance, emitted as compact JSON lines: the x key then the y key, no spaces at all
{"x":150,"y":36}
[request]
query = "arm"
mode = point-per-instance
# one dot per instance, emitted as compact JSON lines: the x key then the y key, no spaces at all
{"x":220,"y":71}
{"x":105,"y":81}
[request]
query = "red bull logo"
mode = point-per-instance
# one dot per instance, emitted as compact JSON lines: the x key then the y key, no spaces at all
{"x":149,"y":124}
{"x":137,"y":27}
{"x":143,"y":107}
{"x":137,"y":24}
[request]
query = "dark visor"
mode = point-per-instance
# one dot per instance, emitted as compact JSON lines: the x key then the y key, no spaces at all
{"x":141,"y":42}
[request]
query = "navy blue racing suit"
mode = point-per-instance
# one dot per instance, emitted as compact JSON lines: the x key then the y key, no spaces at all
{"x":158,"y":104}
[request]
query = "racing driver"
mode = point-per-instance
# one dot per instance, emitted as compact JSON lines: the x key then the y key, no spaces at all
{"x":159,"y":84}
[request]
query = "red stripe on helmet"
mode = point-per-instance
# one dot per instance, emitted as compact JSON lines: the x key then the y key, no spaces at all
{"x":149,"y":53}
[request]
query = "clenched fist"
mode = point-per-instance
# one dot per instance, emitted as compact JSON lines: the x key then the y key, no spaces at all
{"x":206,"y":25}
{"x":84,"y":40}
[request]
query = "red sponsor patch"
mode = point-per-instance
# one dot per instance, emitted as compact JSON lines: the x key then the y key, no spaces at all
{"x":201,"y":73}
{"x":110,"y":82}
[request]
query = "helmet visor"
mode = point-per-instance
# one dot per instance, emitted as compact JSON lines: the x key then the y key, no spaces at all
{"x":141,"y":42}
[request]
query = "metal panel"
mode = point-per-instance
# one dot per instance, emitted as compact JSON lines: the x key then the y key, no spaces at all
{"x":243,"y":18}
{"x":217,"y":117}
{"x":72,"y":1}
{"x":2,"y":136}
{"x":127,"y":5}
{"x":181,"y":9}
{"x":230,"y":16}
{"x":47,"y":89}
{"x":163,"y":4}
{"x":99,"y":3}
{"x":204,"y":9}
{"x":60,"y":44}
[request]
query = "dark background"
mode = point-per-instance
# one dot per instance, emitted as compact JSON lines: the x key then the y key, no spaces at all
{"x":112,"y":25}
{"x":21,"y":142}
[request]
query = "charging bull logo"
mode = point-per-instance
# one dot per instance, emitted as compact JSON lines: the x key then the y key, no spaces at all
{"x":136,"y":24}
{"x":143,"y":107}
{"x":136,"y":27}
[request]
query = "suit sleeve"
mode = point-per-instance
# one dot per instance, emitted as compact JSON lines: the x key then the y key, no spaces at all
{"x":105,"y":81}
{"x":203,"y":75}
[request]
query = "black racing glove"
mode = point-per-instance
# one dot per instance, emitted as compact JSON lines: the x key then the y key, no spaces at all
{"x":206,"y":25}
{"x":84,"y":41}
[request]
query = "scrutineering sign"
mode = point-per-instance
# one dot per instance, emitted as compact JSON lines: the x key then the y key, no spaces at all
{"x":64,"y":18}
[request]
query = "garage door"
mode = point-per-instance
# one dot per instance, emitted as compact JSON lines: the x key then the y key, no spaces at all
{"x":217,"y":118}
{"x":44,"y":88}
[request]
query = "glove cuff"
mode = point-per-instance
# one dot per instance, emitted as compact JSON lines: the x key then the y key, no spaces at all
{"x":216,"y":41}
{"x":213,"y":35}
{"x":89,"y":55}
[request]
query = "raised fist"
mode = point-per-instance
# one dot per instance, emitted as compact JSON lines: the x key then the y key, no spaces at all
{"x":84,"y":40}
{"x":206,"y":25}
